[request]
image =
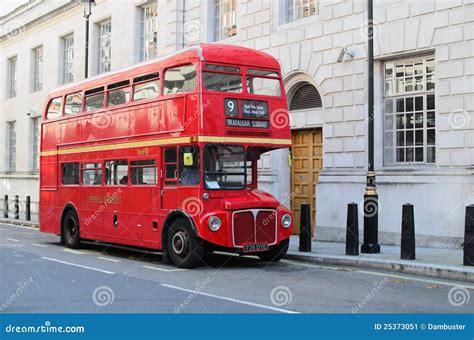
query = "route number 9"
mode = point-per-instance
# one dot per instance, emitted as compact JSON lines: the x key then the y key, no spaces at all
{"x":230,"y":107}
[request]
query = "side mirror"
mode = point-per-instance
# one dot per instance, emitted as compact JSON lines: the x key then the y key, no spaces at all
{"x":188,"y":159}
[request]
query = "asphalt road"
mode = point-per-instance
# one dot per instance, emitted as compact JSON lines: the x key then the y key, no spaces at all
{"x":37,"y":274}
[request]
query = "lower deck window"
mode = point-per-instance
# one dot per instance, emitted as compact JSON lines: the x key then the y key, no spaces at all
{"x":143,"y":172}
{"x":225,"y":166}
{"x":70,"y":173}
{"x":91,"y":174}
{"x":116,"y":172}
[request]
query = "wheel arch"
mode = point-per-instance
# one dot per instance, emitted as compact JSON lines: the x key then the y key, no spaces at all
{"x":173,"y":216}
{"x":67,"y":207}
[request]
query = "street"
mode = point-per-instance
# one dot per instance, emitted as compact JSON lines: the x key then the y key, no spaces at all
{"x":38,"y":275}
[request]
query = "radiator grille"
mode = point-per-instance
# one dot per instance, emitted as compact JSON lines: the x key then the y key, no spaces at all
{"x":254,"y":226}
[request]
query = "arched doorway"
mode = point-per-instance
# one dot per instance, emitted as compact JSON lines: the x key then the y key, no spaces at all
{"x":307,"y":148}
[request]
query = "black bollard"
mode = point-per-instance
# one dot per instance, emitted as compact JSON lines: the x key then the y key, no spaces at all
{"x":305,"y":228}
{"x":16,"y":210}
{"x":407,"y":248}
{"x":28,"y":209}
{"x":5,"y":206}
{"x":371,"y":224}
{"x":469,"y":236}
{"x":352,"y":231}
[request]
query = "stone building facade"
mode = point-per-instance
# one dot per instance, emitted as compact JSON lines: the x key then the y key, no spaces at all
{"x":424,"y":94}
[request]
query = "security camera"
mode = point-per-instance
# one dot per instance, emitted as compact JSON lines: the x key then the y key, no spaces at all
{"x":342,"y":53}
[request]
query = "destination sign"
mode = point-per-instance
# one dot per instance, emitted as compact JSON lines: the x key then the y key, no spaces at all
{"x":254,"y":108}
{"x":247,"y":123}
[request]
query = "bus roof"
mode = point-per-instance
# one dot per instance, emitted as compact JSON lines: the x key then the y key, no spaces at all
{"x":219,"y":53}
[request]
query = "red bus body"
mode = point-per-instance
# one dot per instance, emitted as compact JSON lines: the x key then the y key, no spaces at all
{"x":87,"y":140}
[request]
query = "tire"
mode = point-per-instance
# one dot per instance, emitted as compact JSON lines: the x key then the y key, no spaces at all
{"x":70,"y":234}
{"x":185,"y":249}
{"x":277,"y":253}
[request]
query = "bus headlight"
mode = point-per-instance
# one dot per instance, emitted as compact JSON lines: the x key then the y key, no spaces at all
{"x":214,"y":223}
{"x":286,"y":221}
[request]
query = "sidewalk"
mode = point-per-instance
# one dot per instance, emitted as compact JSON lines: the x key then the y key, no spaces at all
{"x":431,"y":262}
{"x":32,"y":223}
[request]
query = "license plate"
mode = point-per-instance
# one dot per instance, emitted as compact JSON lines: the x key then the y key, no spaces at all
{"x":254,"y":247}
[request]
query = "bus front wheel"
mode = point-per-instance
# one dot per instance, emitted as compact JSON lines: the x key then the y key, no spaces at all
{"x":185,"y":249}
{"x":70,"y":230}
{"x":277,"y":253}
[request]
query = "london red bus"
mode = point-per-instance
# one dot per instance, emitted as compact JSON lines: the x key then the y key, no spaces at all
{"x":163,"y":155}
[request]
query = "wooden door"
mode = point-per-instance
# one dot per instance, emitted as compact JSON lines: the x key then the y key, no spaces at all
{"x":308,"y":159}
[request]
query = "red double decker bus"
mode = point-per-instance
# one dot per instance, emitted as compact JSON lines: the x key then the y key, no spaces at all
{"x":164,"y":156}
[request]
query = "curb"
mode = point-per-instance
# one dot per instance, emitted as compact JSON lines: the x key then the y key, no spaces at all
{"x":19,"y":222}
{"x":422,"y":269}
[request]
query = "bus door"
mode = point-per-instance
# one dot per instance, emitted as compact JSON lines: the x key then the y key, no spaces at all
{"x":116,"y":197}
{"x":93,"y":200}
{"x":144,"y":200}
{"x":169,"y":178}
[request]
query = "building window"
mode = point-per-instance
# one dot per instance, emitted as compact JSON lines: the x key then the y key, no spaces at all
{"x":12,"y":74}
{"x":409,"y":110}
{"x":68,"y":58}
{"x":298,"y":9}
{"x":305,"y":96}
{"x":149,"y":32}
{"x":224,"y":19}
{"x":35,"y":148}
{"x":38,"y":69}
{"x":11,"y":157}
{"x":105,"y":51}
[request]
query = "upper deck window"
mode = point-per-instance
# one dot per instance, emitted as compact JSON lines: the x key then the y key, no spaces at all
{"x":263,"y":82}
{"x":73,"y":103}
{"x":215,"y":79}
{"x":94,"y":99}
{"x":119,"y":93}
{"x":222,"y":68}
{"x":54,"y":108}
{"x":149,"y":87}
{"x":180,"y":79}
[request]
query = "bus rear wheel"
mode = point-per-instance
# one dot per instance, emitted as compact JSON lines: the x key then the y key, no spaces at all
{"x":70,"y":230}
{"x":185,"y":249}
{"x":277,"y":253}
